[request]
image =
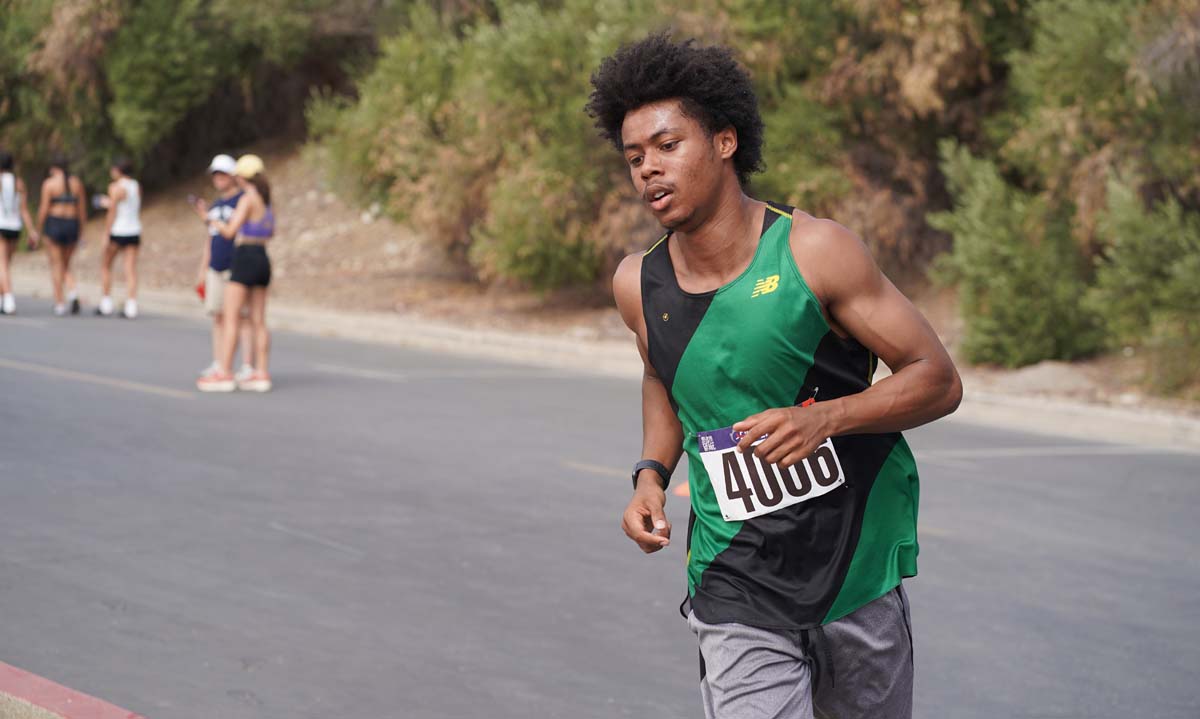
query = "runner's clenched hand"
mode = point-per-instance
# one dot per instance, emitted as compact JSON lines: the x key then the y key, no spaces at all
{"x":644,"y":521}
{"x":793,"y":433}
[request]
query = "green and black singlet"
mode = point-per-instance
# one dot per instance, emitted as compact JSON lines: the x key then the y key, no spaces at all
{"x":826,"y":537}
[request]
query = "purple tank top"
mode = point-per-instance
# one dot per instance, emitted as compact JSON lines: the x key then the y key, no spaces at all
{"x":261,"y":229}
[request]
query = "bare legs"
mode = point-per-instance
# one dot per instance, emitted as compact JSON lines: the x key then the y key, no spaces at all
{"x":60,"y":274}
{"x":245,"y":340}
{"x":106,"y":259}
{"x":235,"y":297}
{"x":131,"y":276}
{"x":258,"y":325}
{"x":255,"y":332}
{"x":6,"y":255}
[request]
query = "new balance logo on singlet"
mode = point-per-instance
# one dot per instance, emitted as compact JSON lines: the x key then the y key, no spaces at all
{"x":766,"y":286}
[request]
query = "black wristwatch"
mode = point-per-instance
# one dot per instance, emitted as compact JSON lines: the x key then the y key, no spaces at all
{"x":658,"y":467}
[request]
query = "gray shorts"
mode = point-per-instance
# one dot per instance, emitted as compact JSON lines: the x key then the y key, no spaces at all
{"x":856,"y":667}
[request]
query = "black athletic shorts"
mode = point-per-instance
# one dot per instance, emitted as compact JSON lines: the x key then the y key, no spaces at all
{"x":62,"y":231}
{"x":251,"y":266}
{"x":10,"y":235}
{"x":126,"y":240}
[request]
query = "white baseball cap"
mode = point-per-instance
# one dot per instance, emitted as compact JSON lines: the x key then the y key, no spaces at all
{"x":222,"y":163}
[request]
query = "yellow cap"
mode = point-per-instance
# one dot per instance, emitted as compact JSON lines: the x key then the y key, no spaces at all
{"x":248,"y":166}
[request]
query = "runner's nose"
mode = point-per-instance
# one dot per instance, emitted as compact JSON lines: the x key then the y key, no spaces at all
{"x":650,"y":168}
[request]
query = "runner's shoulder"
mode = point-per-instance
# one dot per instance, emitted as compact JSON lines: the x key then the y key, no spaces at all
{"x":627,"y":287}
{"x":826,"y":249}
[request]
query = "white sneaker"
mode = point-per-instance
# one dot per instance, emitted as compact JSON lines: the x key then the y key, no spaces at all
{"x":212,"y":367}
{"x":245,"y":373}
{"x":60,"y":310}
{"x":10,"y":304}
{"x":256,"y":382}
{"x":105,"y":308}
{"x":131,"y":310}
{"x":216,"y":381}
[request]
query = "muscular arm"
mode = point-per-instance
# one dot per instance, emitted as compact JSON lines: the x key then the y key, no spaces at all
{"x":924,"y":384}
{"x":864,"y":304}
{"x":662,"y":436}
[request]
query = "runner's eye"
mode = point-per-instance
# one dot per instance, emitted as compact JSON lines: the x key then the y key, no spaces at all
{"x":669,"y":145}
{"x":635,"y":161}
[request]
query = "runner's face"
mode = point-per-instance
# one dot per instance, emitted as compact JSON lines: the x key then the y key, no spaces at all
{"x":221,"y":181}
{"x":674,"y":163}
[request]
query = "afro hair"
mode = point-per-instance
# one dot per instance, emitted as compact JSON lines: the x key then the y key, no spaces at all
{"x":710,"y":85}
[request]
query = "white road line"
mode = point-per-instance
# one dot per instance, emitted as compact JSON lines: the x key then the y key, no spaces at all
{"x":1073,"y":450}
{"x":344,"y":548}
{"x":23,"y":321}
{"x":427,"y":374}
{"x":96,"y":379}
{"x":595,"y":469}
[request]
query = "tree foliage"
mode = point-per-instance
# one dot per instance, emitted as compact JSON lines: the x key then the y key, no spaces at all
{"x":97,"y":78}
{"x":1050,"y":148}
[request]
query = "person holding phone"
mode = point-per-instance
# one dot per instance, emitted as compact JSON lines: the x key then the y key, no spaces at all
{"x":14,"y":215}
{"x":61,"y":211}
{"x":216,"y":259}
{"x":253,"y":224}
{"x":123,"y":233}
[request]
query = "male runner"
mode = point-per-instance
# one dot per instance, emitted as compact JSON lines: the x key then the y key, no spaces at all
{"x":757,"y":320}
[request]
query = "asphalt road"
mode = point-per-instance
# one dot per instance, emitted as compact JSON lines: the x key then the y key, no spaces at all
{"x":399,"y":534}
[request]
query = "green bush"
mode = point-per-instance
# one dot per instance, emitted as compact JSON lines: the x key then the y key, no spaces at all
{"x":1020,"y":277}
{"x":1147,"y":288}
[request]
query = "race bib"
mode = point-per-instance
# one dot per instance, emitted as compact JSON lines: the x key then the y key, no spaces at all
{"x":748,"y":487}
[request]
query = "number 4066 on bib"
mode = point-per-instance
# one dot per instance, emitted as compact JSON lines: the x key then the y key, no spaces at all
{"x":747,"y":486}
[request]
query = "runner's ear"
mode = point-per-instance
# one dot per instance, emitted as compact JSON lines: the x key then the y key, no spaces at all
{"x":726,"y":142}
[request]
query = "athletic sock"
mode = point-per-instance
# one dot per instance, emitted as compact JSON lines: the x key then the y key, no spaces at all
{"x":72,"y":295}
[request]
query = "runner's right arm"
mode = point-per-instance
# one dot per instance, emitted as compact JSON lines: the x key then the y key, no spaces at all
{"x":34,"y":231}
{"x":205,"y":258}
{"x":80,"y":205}
{"x":662,"y":436}
{"x":116,"y":193}
{"x":241,"y":213}
{"x":43,"y":204}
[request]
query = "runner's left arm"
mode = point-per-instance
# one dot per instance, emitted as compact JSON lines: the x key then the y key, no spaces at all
{"x":862,"y":302}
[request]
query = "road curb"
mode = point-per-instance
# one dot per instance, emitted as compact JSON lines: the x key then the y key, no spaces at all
{"x":28,"y":696}
{"x":1035,"y":414}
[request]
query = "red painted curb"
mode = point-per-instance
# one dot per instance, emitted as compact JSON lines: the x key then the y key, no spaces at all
{"x":55,"y":698}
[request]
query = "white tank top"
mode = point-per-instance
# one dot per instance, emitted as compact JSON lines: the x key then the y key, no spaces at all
{"x":128,"y":223}
{"x":10,"y":205}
